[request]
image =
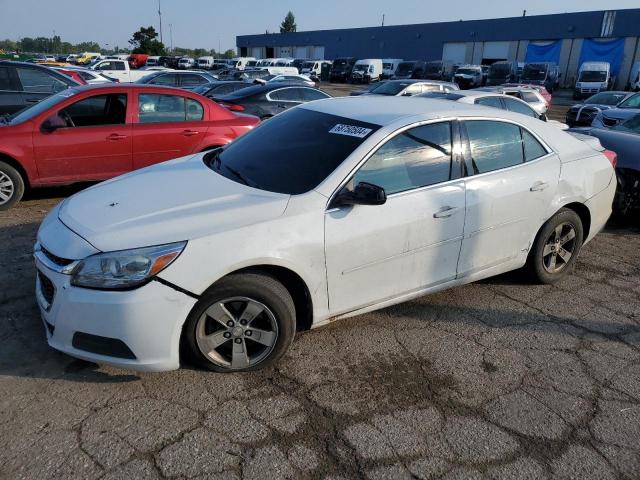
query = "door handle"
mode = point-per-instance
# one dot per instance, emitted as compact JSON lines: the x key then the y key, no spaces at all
{"x":116,"y":136}
{"x":538,"y":186}
{"x":445,"y":212}
{"x":190,"y":133}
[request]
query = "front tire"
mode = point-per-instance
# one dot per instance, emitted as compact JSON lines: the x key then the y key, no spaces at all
{"x":556,"y":247}
{"x":11,"y":186}
{"x":243,"y":322}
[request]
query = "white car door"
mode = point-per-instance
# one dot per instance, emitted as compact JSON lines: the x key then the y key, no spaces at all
{"x":375,"y":253}
{"x":513,"y":178}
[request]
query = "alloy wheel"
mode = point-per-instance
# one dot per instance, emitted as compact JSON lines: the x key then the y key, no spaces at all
{"x":237,"y":333}
{"x":7,"y":188}
{"x":559,"y":248}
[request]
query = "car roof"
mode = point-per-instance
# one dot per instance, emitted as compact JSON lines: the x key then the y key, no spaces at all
{"x":130,"y":86}
{"x":383,"y":110}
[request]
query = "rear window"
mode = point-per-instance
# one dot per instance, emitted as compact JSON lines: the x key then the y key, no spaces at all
{"x":292,"y":153}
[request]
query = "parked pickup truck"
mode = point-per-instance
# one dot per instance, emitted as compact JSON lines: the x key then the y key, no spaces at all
{"x":120,"y":70}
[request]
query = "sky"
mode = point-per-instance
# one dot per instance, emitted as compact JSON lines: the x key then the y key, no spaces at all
{"x":215,"y":23}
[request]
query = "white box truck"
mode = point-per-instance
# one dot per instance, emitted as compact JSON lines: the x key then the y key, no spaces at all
{"x":367,"y":70}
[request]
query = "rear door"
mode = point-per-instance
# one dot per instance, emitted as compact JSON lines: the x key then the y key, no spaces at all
{"x":167,"y":126}
{"x":512,"y":180}
{"x":94,"y":145}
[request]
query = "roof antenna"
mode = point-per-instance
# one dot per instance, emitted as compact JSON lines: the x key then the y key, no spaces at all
{"x":524,"y":13}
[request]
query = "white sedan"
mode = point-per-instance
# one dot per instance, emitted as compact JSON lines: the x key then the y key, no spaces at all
{"x":331,"y":209}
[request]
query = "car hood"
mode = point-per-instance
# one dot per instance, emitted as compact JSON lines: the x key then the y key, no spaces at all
{"x":172,"y":201}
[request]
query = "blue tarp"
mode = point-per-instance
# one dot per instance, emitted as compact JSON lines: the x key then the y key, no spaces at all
{"x":549,"y":52}
{"x":608,"y":51}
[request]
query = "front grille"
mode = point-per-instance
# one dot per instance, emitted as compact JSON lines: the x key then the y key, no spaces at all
{"x":62,"y":262}
{"x":609,"y":122}
{"x":46,"y":288}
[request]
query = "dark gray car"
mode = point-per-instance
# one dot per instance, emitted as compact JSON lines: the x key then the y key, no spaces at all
{"x":582,"y":114}
{"x":626,"y":109}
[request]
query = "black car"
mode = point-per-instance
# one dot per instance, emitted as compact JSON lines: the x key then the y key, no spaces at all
{"x":267,"y":100}
{"x":185,"y":80}
{"x":624,"y":140}
{"x":341,"y":69}
{"x":221,"y":88}
{"x":582,"y":114}
{"x":22,"y":84}
{"x":410,"y":69}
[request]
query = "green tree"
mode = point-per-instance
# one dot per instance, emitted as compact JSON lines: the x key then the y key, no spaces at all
{"x":87,"y":47}
{"x":8,"y":45}
{"x":289,"y":23}
{"x":145,"y":41}
{"x":229,"y":53}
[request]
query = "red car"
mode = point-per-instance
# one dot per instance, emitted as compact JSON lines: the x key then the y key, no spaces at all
{"x":96,"y":132}
{"x":71,"y":73}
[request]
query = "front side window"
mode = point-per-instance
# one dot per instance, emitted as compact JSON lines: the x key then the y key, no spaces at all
{"x":519,"y":107}
{"x":97,"y":110}
{"x":168,"y":79}
{"x":416,"y":158}
{"x":632,"y":102}
{"x":5,"y":79}
{"x":38,"y":81}
{"x":494,"y":145}
{"x":156,"y":108}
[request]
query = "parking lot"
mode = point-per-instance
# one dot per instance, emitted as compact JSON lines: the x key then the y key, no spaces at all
{"x":499,"y":379}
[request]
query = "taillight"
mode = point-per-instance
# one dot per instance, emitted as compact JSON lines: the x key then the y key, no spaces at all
{"x":232,"y":106}
{"x":612,"y":157}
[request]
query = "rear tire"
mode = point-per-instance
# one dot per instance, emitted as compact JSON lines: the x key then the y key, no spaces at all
{"x":11,"y":186}
{"x":243,"y":322}
{"x":556,"y":247}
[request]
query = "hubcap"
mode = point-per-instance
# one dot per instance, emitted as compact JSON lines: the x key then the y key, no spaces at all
{"x":6,"y":188}
{"x":237,"y":332}
{"x":559,"y":248}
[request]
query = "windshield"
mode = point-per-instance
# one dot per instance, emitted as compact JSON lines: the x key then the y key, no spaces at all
{"x":360,"y":68}
{"x":29,"y":112}
{"x":605,"y":98}
{"x":308,"y":65}
{"x":340,"y":62}
{"x":632,"y":102}
{"x":535,"y":71}
{"x":292,"y":153}
{"x":467,"y":71}
{"x":499,"y":70}
{"x":390,"y":88}
{"x":590,"y":76}
{"x":632,"y":125}
{"x":405,"y":68}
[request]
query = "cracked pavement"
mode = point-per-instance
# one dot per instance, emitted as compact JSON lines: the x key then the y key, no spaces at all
{"x":494,"y":380}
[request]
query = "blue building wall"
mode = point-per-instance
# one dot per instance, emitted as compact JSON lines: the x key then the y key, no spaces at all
{"x":425,"y":41}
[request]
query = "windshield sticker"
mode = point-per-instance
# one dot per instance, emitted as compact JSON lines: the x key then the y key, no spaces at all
{"x":350,"y":130}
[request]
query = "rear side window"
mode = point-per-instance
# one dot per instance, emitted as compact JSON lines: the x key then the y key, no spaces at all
{"x":532,"y":147}
{"x":519,"y":107}
{"x":529,"y":97}
{"x":309,"y":94}
{"x":155,"y":108}
{"x":38,"y":81}
{"x":287,"y":95}
{"x":5,"y":79}
{"x":494,"y":145}
{"x":415,"y":158}
{"x":194,"y":110}
{"x":98,"y":110}
{"x":490,"y":102}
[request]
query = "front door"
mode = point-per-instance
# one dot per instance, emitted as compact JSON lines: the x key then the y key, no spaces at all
{"x":514,"y":178}
{"x":168,"y":126}
{"x":376,"y":253}
{"x":93,"y":144}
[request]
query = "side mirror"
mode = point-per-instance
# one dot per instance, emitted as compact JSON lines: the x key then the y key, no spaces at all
{"x":543,"y":117}
{"x":363,"y":194}
{"x":52,"y":123}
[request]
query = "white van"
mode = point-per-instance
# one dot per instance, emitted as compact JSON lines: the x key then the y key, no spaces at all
{"x":634,"y":79}
{"x":186,"y":62}
{"x":389,"y":66}
{"x":280,"y":70}
{"x":152,"y":61}
{"x":313,"y":68}
{"x":593,"y":77}
{"x":205,"y":63}
{"x":367,"y":70}
{"x":239,"y":63}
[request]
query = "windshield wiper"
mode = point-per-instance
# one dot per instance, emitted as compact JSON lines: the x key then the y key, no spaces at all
{"x":6,"y":118}
{"x":217,"y":163}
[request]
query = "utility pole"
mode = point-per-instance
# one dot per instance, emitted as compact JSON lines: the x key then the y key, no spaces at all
{"x":160,"y":16}
{"x":171,"y":36}
{"x":383,"y":19}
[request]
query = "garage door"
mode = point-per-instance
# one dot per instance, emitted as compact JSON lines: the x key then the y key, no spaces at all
{"x":454,"y":52}
{"x":300,"y":52}
{"x":256,"y":52}
{"x":318,"y":53}
{"x":495,"y":51}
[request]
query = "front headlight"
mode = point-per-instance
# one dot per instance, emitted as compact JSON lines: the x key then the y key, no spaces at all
{"x":125,"y":268}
